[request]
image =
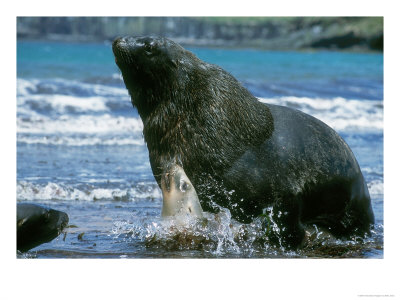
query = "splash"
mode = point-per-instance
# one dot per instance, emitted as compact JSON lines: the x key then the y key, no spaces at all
{"x":217,"y":235}
{"x":220,"y":236}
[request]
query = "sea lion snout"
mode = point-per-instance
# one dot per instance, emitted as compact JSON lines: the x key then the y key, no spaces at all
{"x":61,"y":217}
{"x":135,"y":49}
{"x":148,"y":52}
{"x":132,"y":42}
{"x":121,"y":48}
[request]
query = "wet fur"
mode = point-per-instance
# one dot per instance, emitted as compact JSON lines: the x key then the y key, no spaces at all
{"x":237,"y":152}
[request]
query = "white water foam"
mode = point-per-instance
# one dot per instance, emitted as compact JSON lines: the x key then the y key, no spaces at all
{"x":88,"y":124}
{"x":29,"y":191}
{"x":376,"y":187}
{"x":45,"y":117}
{"x":64,"y":104}
{"x":60,"y":119}
{"x":82,"y":141}
{"x":27,"y":87}
{"x":339,"y":113}
{"x":375,"y":170}
{"x":216,"y":234}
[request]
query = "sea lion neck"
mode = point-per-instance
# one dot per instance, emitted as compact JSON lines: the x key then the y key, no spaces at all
{"x":206,"y":101}
{"x":180,"y":98}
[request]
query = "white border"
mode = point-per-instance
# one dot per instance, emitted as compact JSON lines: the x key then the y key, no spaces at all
{"x":206,"y":278}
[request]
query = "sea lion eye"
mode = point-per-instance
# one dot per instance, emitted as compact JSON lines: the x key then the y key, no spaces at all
{"x":20,"y":222}
{"x":184,"y":186}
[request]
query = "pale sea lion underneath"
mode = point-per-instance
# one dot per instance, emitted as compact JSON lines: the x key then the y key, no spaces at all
{"x":179,"y":196}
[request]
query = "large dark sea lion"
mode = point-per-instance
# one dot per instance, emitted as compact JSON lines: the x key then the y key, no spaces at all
{"x":251,"y":158}
{"x":37,"y":225}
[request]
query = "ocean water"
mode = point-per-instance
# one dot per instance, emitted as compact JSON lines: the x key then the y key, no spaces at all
{"x":80,"y":149}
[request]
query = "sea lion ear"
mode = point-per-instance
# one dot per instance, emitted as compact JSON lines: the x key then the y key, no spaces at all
{"x":175,"y":62}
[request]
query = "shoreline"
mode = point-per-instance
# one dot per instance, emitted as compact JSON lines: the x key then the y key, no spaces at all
{"x":202,"y":43}
{"x":355,"y":34}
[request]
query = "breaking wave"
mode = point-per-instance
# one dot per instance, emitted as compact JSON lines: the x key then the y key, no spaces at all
{"x":72,"y":113}
{"x":28,"y":191}
{"x":339,"y":113}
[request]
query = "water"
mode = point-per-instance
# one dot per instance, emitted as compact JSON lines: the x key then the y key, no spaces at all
{"x":80,"y":149}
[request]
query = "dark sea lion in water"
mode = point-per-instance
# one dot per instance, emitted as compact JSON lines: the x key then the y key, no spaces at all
{"x":37,"y":225}
{"x":252,"y":158}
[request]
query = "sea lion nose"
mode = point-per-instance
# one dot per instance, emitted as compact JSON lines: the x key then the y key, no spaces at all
{"x":146,"y":41}
{"x":122,"y":48}
{"x":130,"y":49}
{"x":63,"y":221}
{"x":130,"y":43}
{"x":116,"y":41}
{"x":119,"y":43}
{"x":136,"y":42}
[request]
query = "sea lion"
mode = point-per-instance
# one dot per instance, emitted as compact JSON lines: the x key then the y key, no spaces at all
{"x":37,"y":225}
{"x":179,"y":196}
{"x":252,"y":158}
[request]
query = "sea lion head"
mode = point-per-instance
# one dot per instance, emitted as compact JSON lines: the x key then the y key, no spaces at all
{"x":37,"y":225}
{"x":146,"y":58}
{"x":153,"y":68}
